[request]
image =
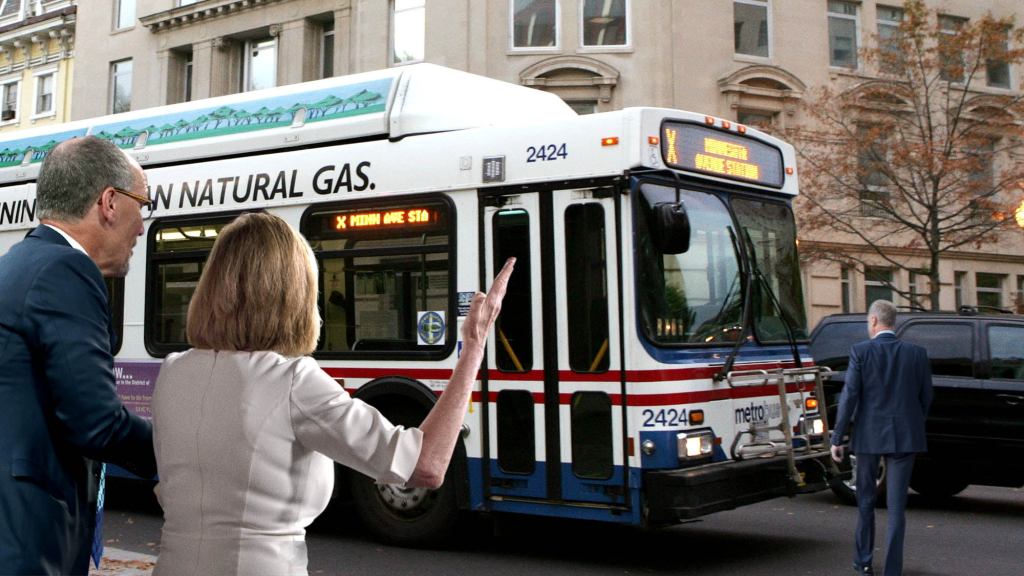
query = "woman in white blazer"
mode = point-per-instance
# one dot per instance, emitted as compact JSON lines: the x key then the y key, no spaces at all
{"x":246,"y":425}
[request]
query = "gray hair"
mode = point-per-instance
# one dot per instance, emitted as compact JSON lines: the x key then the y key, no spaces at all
{"x":885,"y":311}
{"x":75,"y":172}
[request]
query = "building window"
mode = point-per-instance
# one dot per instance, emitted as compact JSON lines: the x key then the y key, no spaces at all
{"x":959,"y":288}
{"x":9,"y":112}
{"x":844,"y":288}
{"x":605,"y":23}
{"x":950,"y":53}
{"x":842,"y":33}
{"x":759,"y":119}
{"x":1020,"y":294}
{"x":260,"y":66}
{"x":583,"y":107}
{"x":997,"y":68}
{"x":187,"y":2}
{"x":750,"y":27}
{"x":45,"y":85}
{"x":877,"y":285}
{"x":186,"y":77}
{"x":125,"y":17}
{"x":120,"y":86}
{"x":408,"y":30}
{"x":891,"y":55}
{"x":981,"y":174}
{"x":535,"y":23}
{"x":918,"y":287}
{"x":327,"y":51}
{"x":989,"y":289}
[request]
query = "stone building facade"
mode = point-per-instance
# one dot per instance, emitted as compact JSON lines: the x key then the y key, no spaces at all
{"x":37,"y":40}
{"x":751,"y":61}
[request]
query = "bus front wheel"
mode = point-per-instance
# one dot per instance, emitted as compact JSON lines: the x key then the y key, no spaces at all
{"x":406,"y":516}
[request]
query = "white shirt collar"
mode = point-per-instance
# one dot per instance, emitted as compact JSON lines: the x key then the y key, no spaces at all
{"x":880,"y":332}
{"x":74,"y":243}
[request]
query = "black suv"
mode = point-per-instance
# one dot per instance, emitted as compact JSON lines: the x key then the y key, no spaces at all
{"x":976,"y":423}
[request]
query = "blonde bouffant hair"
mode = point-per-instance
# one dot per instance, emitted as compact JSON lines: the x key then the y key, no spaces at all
{"x":258,"y":290}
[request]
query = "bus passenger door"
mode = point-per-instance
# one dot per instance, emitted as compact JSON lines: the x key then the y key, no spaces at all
{"x":555,"y":424}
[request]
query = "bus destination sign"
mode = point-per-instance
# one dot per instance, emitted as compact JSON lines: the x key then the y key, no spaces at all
{"x":378,"y":219}
{"x":700,"y":149}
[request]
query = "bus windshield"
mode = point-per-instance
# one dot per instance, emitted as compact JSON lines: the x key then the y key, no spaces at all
{"x":696,"y":297}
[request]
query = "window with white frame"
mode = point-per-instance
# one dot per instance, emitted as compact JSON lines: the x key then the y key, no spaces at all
{"x":605,"y":23}
{"x":842,"y":33}
{"x":125,"y":16}
{"x":750,"y":27}
{"x":891,"y":55}
{"x":120,"y":86}
{"x":408,"y":31}
{"x":997,"y":68}
{"x":959,"y":288}
{"x":990,"y":289}
{"x":259,"y":66}
{"x":951,"y":59}
{"x":327,"y":50}
{"x":187,"y":2}
{"x":535,"y":23}
{"x":46,"y":85}
{"x":845,"y":289}
{"x":186,"y":77}
{"x":9,"y":109}
{"x":877,"y":285}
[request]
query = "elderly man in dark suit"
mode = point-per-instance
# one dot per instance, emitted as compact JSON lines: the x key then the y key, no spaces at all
{"x":887,"y":394}
{"x":58,"y":404}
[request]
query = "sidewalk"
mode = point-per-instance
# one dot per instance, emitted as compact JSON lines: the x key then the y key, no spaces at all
{"x":116,"y":562}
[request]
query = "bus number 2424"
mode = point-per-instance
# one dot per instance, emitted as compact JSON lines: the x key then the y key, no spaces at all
{"x":546,"y":152}
{"x":665,"y":417}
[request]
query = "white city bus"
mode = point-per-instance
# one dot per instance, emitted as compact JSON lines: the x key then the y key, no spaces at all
{"x":650,"y":363}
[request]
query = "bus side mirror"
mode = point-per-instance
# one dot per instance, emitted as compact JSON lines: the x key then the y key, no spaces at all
{"x":671,"y":228}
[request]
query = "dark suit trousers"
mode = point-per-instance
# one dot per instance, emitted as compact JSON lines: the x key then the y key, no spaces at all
{"x":897,"y":472}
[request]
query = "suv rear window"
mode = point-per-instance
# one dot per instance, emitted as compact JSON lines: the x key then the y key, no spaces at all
{"x":1006,"y":351}
{"x":831,"y":345}
{"x":949,"y":346}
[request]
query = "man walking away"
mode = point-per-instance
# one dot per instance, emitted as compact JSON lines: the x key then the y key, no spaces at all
{"x":887,"y":394}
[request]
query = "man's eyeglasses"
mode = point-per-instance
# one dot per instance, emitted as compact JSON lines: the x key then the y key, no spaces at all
{"x":145,"y":204}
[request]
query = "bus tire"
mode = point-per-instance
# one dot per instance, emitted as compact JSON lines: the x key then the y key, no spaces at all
{"x":415,"y":517}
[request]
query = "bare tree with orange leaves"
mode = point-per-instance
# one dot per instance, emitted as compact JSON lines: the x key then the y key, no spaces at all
{"x":922,"y":159}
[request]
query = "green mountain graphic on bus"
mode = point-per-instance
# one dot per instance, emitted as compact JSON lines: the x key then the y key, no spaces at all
{"x":259,"y":114}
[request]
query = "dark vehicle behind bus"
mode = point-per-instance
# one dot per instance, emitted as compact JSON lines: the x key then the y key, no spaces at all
{"x":976,"y":423}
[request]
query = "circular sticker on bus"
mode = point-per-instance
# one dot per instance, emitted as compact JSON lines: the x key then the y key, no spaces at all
{"x":430,"y":328}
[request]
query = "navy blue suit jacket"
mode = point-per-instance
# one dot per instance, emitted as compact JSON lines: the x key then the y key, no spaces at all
{"x":887,"y":393}
{"x":59,"y":410}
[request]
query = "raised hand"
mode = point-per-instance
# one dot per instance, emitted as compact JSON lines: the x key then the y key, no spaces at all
{"x":486,"y":307}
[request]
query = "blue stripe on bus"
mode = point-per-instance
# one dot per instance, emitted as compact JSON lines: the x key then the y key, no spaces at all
{"x":748,"y":353}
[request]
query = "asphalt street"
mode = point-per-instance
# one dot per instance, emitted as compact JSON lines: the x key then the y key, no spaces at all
{"x":979,"y":532}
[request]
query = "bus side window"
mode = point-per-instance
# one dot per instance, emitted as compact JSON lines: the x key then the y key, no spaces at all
{"x":178,"y":250}
{"x":115,"y":298}
{"x":586,"y":277}
{"x":516,"y":443}
{"x":592,"y":435}
{"x":514,"y":338}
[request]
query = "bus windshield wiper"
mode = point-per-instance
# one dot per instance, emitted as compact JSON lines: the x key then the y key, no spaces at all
{"x":762,"y":281}
{"x":746,"y":320}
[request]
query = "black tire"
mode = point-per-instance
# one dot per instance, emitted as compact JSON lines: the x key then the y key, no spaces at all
{"x":846,"y":489}
{"x":938,"y":482}
{"x":414,"y":517}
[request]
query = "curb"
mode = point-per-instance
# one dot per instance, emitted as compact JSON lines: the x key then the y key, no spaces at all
{"x":117,"y":562}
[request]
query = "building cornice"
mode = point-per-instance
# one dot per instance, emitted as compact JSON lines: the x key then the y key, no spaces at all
{"x":19,"y":39}
{"x":205,"y":11}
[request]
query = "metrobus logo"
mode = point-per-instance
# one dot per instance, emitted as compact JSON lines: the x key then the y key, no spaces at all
{"x":758,"y":413}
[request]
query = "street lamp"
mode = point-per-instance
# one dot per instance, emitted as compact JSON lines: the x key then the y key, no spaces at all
{"x":1018,"y":214}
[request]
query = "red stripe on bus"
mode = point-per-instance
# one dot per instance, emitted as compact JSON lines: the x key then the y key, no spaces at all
{"x":668,"y":399}
{"x":663,"y":375}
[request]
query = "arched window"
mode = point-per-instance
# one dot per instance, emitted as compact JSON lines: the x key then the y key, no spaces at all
{"x":762,"y":96}
{"x":584,"y":83}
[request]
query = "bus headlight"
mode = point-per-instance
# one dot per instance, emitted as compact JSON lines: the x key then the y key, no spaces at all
{"x":812,"y":426}
{"x":694,"y":444}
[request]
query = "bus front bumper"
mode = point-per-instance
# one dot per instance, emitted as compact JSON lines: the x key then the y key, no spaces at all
{"x":675,"y":495}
